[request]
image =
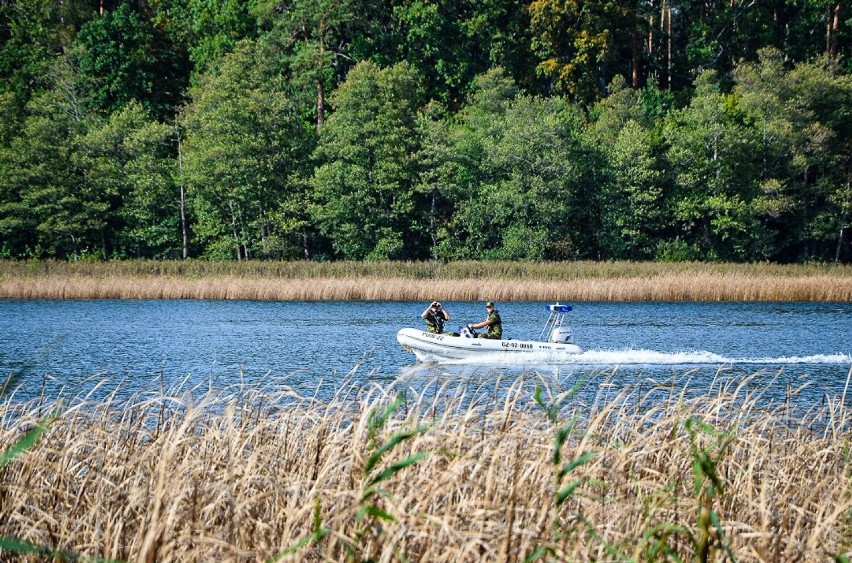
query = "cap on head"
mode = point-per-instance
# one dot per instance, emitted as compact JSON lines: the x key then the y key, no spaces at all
{"x":489,"y":304}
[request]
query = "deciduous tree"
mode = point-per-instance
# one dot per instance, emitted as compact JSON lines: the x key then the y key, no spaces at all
{"x":364,"y":185}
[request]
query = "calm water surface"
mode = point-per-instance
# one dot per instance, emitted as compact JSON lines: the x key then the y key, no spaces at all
{"x":66,"y":347}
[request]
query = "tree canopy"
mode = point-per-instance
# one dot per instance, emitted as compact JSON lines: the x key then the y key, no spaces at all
{"x":426,"y":129}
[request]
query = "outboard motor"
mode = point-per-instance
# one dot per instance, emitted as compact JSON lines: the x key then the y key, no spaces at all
{"x":562,"y":335}
{"x":553,"y":328}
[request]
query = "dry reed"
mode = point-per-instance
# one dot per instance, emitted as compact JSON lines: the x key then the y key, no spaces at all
{"x":238,"y":476}
{"x":423,"y":281}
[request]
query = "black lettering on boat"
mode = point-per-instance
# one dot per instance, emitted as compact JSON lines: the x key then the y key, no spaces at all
{"x":517,"y":345}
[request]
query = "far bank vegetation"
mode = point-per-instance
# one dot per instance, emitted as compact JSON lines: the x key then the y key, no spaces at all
{"x":425,"y":281}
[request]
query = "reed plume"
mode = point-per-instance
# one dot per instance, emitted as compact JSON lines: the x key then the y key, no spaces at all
{"x":244,"y":474}
{"x":421,"y":281}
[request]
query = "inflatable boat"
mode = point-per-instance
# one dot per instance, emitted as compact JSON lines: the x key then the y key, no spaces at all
{"x":431,"y":347}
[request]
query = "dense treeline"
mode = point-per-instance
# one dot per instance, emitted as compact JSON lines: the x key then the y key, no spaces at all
{"x":415,"y":129}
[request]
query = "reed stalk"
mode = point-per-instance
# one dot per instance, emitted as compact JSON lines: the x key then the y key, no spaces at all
{"x":246,"y":474}
{"x":423,"y":281}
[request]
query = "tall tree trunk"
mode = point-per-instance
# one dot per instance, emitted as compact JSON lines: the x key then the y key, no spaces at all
{"x":320,"y":88}
{"x":652,"y":68}
{"x":234,"y":230}
{"x":669,"y":42}
{"x":666,"y":30}
{"x":320,"y":104}
{"x":634,"y":59}
{"x":185,"y":247}
{"x":305,"y":244}
{"x":834,"y":31}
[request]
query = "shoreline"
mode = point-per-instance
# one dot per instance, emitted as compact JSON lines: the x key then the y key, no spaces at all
{"x":470,"y":281}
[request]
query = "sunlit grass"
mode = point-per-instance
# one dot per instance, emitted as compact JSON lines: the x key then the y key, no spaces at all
{"x":398,"y":281}
{"x":655,"y":473}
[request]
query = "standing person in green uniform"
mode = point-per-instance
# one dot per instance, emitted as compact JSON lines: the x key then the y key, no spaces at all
{"x":435,"y":316}
{"x":492,"y":321}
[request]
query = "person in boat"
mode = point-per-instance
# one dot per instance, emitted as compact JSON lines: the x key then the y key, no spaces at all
{"x":492,"y":323}
{"x":435,"y":316}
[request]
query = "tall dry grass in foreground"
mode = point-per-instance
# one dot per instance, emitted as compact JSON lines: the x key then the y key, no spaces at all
{"x":616,"y":475}
{"x":425,"y":281}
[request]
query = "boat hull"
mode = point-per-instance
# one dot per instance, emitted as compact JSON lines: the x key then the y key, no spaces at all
{"x":430,"y":347}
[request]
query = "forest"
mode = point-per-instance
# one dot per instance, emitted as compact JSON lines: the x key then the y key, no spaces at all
{"x":666,"y":130}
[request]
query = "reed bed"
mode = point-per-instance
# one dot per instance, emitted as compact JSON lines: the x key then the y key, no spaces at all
{"x":244,"y":475}
{"x":425,"y":281}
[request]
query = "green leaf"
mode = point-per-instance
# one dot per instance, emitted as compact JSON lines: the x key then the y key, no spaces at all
{"x":29,"y":439}
{"x":19,"y":546}
{"x":396,"y":467}
{"x":314,"y":537}
{"x":575,"y":463}
{"x":373,"y":491}
{"x":661,"y":533}
{"x":714,"y":518}
{"x":377,"y":512}
{"x":539,"y":400}
{"x":16,"y":545}
{"x":562,"y":495}
{"x":394,"y":440}
{"x":379,"y":420}
{"x":538,"y":553}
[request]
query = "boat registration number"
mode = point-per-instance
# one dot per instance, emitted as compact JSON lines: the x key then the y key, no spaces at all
{"x":516,"y":345}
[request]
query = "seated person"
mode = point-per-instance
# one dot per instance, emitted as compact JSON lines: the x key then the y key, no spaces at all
{"x":492,"y":321}
{"x":435,"y":316}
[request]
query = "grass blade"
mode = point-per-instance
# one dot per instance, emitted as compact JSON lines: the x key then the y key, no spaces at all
{"x":396,"y":439}
{"x":575,"y":463}
{"x":397,"y":467}
{"x":27,"y":441}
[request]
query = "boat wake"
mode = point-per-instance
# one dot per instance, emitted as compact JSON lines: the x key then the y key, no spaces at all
{"x":654,"y":358}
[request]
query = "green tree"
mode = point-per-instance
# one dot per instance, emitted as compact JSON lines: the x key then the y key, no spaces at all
{"x":205,"y":30}
{"x":720,"y":35}
{"x":364,"y":184}
{"x":46,"y":208}
{"x":803,"y":122}
{"x":524,"y":178}
{"x":711,"y":153}
{"x":626,"y":126}
{"x":440,"y":174}
{"x":312,"y":32}
{"x":450,"y":42}
{"x":578,"y":44}
{"x":245,"y":154}
{"x":32,"y":34}
{"x":632,"y":206}
{"x":126,"y":158}
{"x":123,"y":58}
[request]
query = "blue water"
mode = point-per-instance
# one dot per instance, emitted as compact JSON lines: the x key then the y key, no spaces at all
{"x":67,"y":348}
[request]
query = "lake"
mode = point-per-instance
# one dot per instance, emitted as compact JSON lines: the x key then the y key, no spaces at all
{"x":69,"y":347}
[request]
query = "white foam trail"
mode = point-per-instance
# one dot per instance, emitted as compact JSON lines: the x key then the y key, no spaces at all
{"x":652,"y":357}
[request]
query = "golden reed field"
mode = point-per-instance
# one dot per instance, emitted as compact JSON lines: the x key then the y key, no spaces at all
{"x":382,"y":473}
{"x":425,"y":281}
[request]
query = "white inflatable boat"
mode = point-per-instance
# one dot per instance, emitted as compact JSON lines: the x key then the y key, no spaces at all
{"x":430,"y":347}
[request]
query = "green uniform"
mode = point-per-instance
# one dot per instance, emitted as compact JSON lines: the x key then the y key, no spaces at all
{"x":495,"y":326}
{"x":435,"y":322}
